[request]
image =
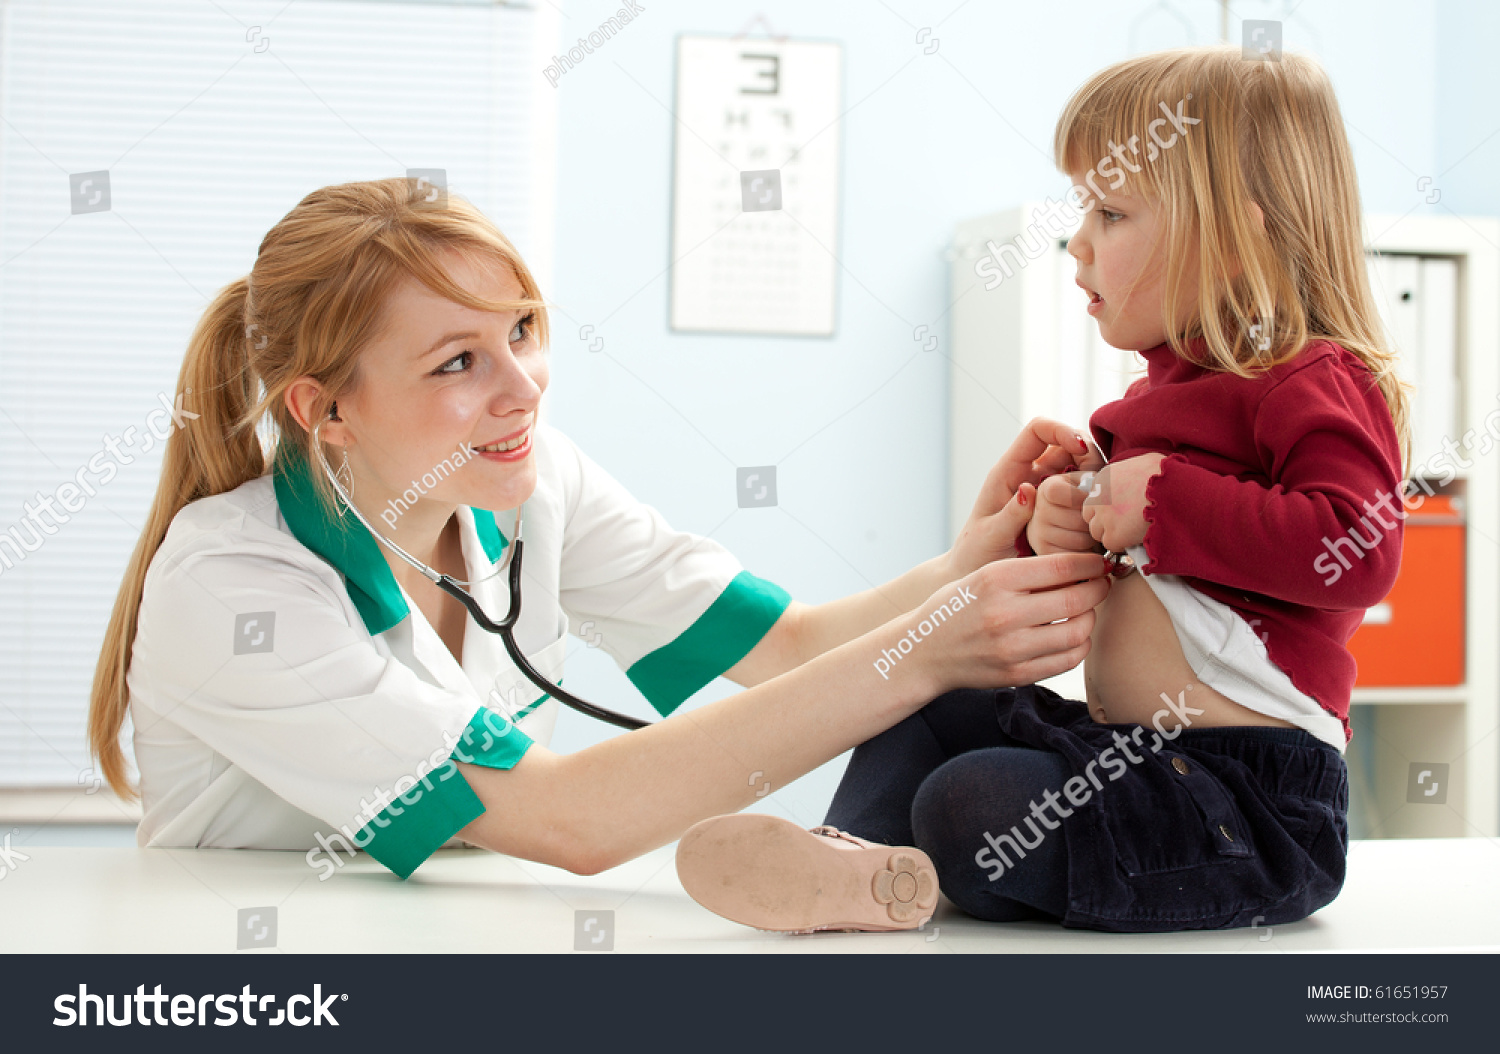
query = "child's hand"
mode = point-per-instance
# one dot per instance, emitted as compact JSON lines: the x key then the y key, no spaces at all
{"x":1115,"y":510}
{"x":1057,"y":525}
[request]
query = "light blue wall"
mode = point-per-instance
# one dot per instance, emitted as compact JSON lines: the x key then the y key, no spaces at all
{"x":1467,"y":93}
{"x":856,"y":424}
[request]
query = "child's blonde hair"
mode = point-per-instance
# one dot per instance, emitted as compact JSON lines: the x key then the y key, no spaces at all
{"x":1268,"y":133}
{"x":311,"y":302}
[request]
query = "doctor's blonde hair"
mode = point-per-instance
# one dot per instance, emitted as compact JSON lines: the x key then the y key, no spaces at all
{"x":312,"y":300}
{"x":1269,"y":133}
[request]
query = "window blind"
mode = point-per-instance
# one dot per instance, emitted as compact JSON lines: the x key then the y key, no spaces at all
{"x":211,"y":125}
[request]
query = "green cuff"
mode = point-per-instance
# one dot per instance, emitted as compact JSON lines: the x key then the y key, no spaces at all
{"x":721,"y":637}
{"x":413,"y":826}
{"x":492,"y":740}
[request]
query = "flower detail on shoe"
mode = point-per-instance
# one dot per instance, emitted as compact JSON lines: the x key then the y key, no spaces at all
{"x":905,"y":888}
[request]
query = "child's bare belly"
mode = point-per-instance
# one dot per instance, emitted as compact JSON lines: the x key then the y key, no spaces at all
{"x":1136,"y":657}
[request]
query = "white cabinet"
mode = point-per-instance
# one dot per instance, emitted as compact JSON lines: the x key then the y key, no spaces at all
{"x":1024,"y":347}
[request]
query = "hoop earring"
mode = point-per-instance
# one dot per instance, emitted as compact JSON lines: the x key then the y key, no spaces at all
{"x":343,"y":471}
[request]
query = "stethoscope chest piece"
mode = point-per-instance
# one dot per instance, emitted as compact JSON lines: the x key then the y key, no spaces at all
{"x":1120,"y":564}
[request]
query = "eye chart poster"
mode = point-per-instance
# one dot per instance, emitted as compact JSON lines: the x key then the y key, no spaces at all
{"x":755,"y":186}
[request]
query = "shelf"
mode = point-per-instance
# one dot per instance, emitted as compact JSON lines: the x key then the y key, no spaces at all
{"x":1451,"y":693}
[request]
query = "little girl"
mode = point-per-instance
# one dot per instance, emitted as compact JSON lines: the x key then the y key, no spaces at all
{"x":1202,"y":782}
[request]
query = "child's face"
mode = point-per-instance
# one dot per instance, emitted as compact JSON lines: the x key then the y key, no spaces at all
{"x":1122,"y":265}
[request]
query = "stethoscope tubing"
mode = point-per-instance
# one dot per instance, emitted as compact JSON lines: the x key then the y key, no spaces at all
{"x":505,"y":628}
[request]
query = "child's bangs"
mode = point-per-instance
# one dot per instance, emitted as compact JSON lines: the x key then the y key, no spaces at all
{"x":1115,"y":105}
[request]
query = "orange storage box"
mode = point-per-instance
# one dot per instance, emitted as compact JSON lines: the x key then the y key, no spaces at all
{"x":1416,"y":635}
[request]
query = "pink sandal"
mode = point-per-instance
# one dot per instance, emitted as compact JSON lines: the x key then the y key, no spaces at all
{"x":767,"y":872}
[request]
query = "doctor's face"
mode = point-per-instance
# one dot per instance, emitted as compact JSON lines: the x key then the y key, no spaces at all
{"x":1121,"y":258}
{"x":447,"y":396}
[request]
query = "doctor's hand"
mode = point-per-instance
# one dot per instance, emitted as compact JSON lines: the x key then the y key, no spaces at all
{"x":1012,"y":622}
{"x":1008,"y":496}
{"x":1116,"y":511}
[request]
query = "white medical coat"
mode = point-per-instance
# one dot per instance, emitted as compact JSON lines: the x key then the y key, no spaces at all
{"x":287,"y":694}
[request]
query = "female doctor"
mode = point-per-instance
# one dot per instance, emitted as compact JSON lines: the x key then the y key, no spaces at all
{"x":295,"y":685}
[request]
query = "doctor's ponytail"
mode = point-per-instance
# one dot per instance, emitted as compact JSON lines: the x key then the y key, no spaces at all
{"x":208,"y":455}
{"x":311,"y":302}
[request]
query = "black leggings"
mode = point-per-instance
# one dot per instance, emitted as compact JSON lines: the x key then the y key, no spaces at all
{"x":938,"y":778}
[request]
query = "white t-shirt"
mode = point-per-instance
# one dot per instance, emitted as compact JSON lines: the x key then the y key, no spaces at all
{"x":286,"y":692}
{"x":1231,"y":658}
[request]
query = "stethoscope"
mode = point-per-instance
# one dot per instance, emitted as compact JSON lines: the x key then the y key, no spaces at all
{"x":505,"y":628}
{"x":1120,"y":564}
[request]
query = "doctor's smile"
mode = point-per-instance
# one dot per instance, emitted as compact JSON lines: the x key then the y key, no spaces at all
{"x":512,"y":448}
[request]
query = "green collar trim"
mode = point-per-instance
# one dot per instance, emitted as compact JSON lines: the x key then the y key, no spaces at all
{"x":490,"y":538}
{"x":349,"y":547}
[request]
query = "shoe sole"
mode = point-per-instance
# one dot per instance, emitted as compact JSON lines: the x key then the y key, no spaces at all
{"x":766,"y":872}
